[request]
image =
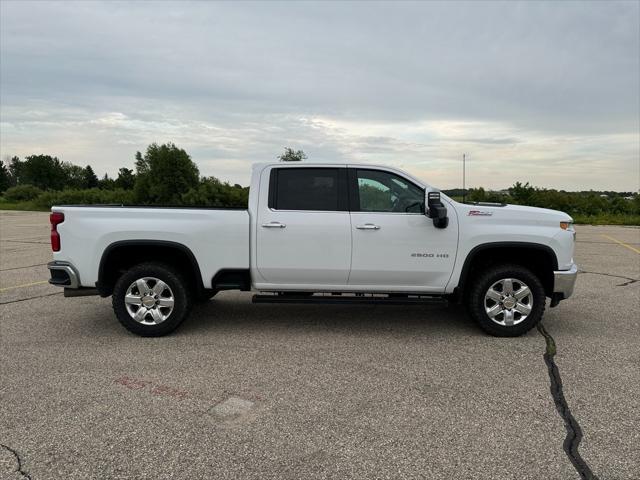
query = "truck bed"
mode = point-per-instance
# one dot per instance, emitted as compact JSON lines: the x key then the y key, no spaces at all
{"x":217,"y":237}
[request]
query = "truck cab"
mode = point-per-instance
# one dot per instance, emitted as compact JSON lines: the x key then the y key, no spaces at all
{"x":360,"y":229}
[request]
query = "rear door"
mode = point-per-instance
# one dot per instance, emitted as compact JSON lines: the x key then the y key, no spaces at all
{"x":394,"y":244}
{"x":304,"y":233}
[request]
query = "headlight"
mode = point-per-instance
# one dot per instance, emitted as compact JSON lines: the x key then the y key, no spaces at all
{"x":567,"y":226}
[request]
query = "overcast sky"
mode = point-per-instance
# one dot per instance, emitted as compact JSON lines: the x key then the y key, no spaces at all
{"x":540,"y":92}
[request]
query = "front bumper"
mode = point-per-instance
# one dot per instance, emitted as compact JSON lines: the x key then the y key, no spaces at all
{"x":63,"y":274}
{"x":563,"y":282}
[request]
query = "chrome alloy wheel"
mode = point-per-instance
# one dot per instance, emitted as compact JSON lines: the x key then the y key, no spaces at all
{"x":149,"y":301}
{"x":508,"y":302}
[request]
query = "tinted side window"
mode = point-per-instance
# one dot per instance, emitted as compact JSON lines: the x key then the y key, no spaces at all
{"x":380,"y":191}
{"x":307,"y":189}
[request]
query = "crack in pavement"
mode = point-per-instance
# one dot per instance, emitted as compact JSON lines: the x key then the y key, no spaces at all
{"x":631,"y":280}
{"x":19,"y":268}
{"x":30,"y":298}
{"x":18,"y":460}
{"x":571,"y":425}
{"x":25,"y":241}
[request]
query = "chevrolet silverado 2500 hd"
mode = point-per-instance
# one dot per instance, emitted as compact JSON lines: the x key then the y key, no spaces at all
{"x":319,"y":233}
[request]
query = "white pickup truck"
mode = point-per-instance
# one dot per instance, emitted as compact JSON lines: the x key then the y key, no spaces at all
{"x":319,"y":233}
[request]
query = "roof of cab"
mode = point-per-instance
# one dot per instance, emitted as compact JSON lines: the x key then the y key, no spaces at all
{"x":321,"y":164}
{"x":262,"y":165}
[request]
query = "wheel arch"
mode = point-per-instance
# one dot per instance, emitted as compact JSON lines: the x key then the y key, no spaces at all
{"x":123,"y":254}
{"x":539,"y":258}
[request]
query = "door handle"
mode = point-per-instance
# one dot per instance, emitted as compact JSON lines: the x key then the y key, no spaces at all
{"x":273,"y":225}
{"x":368,"y":226}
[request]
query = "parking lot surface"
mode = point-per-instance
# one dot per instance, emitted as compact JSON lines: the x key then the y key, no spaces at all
{"x":314,"y":391}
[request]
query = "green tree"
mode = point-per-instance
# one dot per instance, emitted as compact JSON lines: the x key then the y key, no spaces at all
{"x":75,"y":176}
{"x":43,"y":171}
{"x":126,"y":179}
{"x":142,"y":165}
{"x":522,"y":194}
{"x":15,"y":170}
{"x":291,"y":155}
{"x":476,"y":195}
{"x":90,"y":177}
{"x":22,"y":193}
{"x":5,"y":177}
{"x":106,"y":183}
{"x":211,"y":192}
{"x":635,"y":204}
{"x":164,"y":174}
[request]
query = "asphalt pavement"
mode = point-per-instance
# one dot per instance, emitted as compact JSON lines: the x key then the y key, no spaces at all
{"x":314,"y":391}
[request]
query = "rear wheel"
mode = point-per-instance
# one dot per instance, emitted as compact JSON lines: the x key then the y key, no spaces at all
{"x":507,"y":301}
{"x":151,"y":299}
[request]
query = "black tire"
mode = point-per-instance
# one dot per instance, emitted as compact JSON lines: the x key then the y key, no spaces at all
{"x":483,"y":282}
{"x":178,"y":287}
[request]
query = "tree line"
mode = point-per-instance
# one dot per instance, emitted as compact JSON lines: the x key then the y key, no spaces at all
{"x":584,"y":207}
{"x":166,"y":175}
{"x":163,"y":175}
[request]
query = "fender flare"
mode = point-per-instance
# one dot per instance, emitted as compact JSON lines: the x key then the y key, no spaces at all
{"x":464,"y":273}
{"x":156,"y":243}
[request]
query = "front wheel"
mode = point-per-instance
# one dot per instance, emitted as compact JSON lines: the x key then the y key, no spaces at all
{"x":151,"y":299}
{"x":507,"y":301}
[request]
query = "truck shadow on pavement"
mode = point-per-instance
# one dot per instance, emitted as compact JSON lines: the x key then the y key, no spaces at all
{"x":413,"y":319}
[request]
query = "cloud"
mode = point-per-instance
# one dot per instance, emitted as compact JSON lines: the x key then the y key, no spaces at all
{"x":531,"y":91}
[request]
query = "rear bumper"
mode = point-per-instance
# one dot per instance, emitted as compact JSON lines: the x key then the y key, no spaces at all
{"x":63,"y":274}
{"x":564,"y":282}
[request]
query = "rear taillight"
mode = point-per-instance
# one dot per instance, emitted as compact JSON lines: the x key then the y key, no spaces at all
{"x":56,"y":218}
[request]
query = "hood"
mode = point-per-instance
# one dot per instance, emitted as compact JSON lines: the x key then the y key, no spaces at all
{"x":519,"y":213}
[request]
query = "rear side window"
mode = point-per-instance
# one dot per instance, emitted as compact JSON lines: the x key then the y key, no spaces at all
{"x":321,"y":189}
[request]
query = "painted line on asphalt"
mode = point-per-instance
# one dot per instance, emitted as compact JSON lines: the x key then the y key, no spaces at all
{"x":24,"y":285}
{"x":633,"y":249}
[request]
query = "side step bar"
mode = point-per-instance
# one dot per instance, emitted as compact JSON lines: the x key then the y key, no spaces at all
{"x":349,"y":299}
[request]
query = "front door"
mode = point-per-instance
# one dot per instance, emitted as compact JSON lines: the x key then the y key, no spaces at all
{"x":304,"y":236}
{"x":394,"y":244}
